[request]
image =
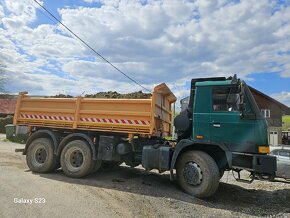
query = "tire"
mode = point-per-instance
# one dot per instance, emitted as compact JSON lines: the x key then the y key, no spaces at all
{"x":96,"y":165}
{"x":221,"y":172}
{"x":206,"y":180}
{"x":76,"y":159}
{"x":40,"y":157}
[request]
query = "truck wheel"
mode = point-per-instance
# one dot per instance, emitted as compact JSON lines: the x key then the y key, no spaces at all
{"x":76,"y":159}
{"x":96,"y":165}
{"x":40,"y":157}
{"x":198,"y":174}
{"x":221,"y":172}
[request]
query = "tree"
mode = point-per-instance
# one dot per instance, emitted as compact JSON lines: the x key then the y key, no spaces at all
{"x":2,"y":78}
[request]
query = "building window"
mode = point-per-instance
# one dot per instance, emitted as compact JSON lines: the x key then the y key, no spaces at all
{"x":266,"y":113}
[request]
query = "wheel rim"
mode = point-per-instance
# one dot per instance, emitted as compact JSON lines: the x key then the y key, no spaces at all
{"x":40,"y":155}
{"x":74,"y":159}
{"x":192,"y":173}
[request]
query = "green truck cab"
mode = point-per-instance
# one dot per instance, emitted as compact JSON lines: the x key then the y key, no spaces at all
{"x":223,"y":123}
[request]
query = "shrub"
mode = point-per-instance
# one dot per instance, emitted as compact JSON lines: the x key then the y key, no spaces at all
{"x":4,"y":121}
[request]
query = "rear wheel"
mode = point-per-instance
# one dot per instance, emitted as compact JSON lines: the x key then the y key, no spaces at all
{"x":221,"y":172}
{"x":96,"y":166}
{"x":40,"y":157}
{"x":198,"y":174}
{"x":76,"y":159}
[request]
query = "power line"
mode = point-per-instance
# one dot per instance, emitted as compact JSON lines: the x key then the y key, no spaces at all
{"x":97,"y":53}
{"x":53,"y":21}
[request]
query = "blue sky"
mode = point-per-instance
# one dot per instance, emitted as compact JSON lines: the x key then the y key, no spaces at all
{"x":157,"y":41}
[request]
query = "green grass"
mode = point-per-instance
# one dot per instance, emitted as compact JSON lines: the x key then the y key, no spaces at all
{"x":286,"y":122}
{"x":15,"y":140}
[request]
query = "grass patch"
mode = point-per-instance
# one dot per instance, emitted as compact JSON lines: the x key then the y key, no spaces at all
{"x":15,"y":140}
{"x":286,"y":122}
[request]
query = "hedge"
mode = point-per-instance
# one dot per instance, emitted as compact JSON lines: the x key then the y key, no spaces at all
{"x":4,"y":121}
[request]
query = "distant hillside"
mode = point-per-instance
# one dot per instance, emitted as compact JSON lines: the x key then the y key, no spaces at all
{"x":286,"y":122}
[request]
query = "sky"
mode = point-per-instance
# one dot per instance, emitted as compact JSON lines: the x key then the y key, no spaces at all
{"x":169,"y":41}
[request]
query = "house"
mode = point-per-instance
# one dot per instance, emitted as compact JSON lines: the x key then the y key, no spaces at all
{"x":271,"y":109}
{"x":7,"y":105}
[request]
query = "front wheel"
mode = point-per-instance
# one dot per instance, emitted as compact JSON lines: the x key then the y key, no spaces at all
{"x":76,"y":159}
{"x":198,"y":174}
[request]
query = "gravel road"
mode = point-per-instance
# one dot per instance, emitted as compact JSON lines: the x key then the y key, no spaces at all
{"x":126,"y":192}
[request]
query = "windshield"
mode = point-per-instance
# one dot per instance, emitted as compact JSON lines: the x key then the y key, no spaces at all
{"x":251,"y":106}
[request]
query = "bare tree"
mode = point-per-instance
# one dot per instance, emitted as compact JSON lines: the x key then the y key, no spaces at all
{"x":2,"y":78}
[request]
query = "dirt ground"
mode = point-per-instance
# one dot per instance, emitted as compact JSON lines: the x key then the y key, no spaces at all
{"x":126,"y":192}
{"x":111,"y":94}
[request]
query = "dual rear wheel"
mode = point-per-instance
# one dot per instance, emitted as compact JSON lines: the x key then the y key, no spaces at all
{"x":75,"y":159}
{"x":197,"y":172}
{"x":40,"y":157}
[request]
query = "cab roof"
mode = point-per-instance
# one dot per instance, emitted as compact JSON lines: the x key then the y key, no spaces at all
{"x":214,"y":83}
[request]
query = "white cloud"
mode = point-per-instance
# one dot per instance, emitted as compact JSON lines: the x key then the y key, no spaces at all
{"x":21,"y":11}
{"x":153,"y":41}
{"x":283,"y":97}
{"x":1,"y":11}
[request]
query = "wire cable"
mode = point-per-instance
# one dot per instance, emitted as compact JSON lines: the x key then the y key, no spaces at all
{"x":97,"y":53}
{"x":44,"y":14}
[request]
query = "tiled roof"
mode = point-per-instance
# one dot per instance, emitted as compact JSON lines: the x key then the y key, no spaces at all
{"x":7,"y":106}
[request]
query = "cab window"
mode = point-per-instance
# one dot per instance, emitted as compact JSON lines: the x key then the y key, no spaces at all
{"x":225,"y":99}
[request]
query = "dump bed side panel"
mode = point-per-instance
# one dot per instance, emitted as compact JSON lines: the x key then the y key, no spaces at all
{"x":48,"y":112}
{"x":120,"y":115}
{"x":116,"y":115}
{"x":133,"y":116}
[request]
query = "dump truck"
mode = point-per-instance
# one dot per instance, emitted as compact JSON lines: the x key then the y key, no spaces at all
{"x":221,"y":129}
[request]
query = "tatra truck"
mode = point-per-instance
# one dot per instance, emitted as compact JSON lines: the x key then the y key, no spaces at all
{"x":221,"y":129}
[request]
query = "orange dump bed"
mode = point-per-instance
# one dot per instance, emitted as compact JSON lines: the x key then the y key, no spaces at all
{"x":133,"y":116}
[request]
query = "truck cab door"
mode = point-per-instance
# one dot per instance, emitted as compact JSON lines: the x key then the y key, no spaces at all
{"x":226,"y":125}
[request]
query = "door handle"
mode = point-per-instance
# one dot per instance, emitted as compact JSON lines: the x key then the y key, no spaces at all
{"x":216,"y":125}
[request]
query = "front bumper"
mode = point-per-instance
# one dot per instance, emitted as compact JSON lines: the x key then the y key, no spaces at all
{"x":264,"y":164}
{"x":257,"y":163}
